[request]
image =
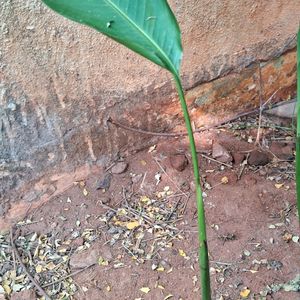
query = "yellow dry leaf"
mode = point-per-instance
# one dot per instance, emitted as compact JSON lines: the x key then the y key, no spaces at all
{"x":132,"y":225}
{"x":160,"y":269}
{"x":253,"y":271}
{"x":108,"y":288}
{"x":161,"y":287}
{"x":145,"y":289}
{"x":7,"y":289}
{"x":279,"y":185}
{"x":143,"y":163}
{"x":144,"y":199}
{"x":85,"y":192}
{"x":168,"y":297}
{"x":224,"y":180}
{"x":245,"y":293}
{"x":39,"y":269}
{"x":51,"y":266}
{"x":102,"y":261}
{"x":182,"y":253}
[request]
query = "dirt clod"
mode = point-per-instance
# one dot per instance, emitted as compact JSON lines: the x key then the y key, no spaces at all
{"x":282,"y":151}
{"x":258,"y":158}
{"x":23,"y":295}
{"x":119,"y":167}
{"x":178,"y":162}
{"x":221,"y":153}
{"x":238,"y":157}
{"x":84,"y":258}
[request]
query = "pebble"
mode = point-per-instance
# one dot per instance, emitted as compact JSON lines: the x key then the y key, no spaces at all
{"x":24,"y":295}
{"x":221,"y":153}
{"x":104,"y":183}
{"x":84,"y":259}
{"x":178,"y":162}
{"x":258,"y":158}
{"x":238,"y":158}
{"x":119,"y":167}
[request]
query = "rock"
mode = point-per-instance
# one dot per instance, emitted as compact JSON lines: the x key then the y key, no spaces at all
{"x":178,"y":162}
{"x":77,"y":242}
{"x":84,"y":258}
{"x":119,"y":167}
{"x":238,"y":157}
{"x":24,"y":295}
{"x":221,"y":154}
{"x":282,"y":151}
{"x":104,"y":183}
{"x":258,"y":158}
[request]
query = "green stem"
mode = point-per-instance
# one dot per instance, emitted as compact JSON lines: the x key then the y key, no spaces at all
{"x":203,"y":250}
{"x":298,"y":127}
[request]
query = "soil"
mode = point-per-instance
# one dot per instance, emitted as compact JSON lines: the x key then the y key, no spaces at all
{"x":252,"y":226}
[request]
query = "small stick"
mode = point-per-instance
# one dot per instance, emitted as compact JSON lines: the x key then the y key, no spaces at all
{"x":70,"y":275}
{"x":38,"y":287}
{"x":13,"y":253}
{"x":142,"y":184}
{"x":216,"y":161}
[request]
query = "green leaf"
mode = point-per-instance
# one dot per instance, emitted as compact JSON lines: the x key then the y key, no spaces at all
{"x":147,"y":27}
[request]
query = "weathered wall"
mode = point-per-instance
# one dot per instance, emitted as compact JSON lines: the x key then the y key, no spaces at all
{"x":59,"y":80}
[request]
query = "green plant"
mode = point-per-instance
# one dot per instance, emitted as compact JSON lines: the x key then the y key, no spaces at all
{"x":150,"y":29}
{"x":298,"y":127}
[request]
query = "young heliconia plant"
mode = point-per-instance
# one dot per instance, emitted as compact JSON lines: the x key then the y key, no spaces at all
{"x":150,"y":29}
{"x":298,"y":127}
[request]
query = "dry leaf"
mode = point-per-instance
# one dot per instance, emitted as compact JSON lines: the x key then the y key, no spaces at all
{"x":132,"y":225}
{"x":182,"y":253}
{"x":145,"y":289}
{"x":39,"y":269}
{"x":168,"y":297}
{"x":279,"y":185}
{"x":245,"y":293}
{"x":85,"y":192}
{"x":224,"y":180}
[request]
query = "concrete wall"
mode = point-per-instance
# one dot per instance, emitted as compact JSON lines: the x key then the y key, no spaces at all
{"x":59,"y":81}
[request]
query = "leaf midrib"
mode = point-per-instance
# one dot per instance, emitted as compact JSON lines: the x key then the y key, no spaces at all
{"x":171,"y":65}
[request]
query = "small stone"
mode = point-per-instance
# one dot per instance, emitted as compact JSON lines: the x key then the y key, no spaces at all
{"x":221,"y":154}
{"x":238,"y":157}
{"x":78,"y":242}
{"x":274,"y":264}
{"x":84,"y":259}
{"x":119,"y":167}
{"x":178,"y":162}
{"x":282,"y":151}
{"x":136,"y":178}
{"x":258,"y":158}
{"x":24,"y":295}
{"x":104,"y":183}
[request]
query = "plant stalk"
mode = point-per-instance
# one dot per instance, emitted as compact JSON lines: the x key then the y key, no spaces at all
{"x":203,"y":249}
{"x":298,"y":127}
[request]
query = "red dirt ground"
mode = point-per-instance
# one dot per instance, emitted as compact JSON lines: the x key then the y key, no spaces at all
{"x":241,"y":217}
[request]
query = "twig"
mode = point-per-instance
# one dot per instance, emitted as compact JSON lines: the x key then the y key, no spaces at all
{"x":260,"y":104}
{"x":13,"y":253}
{"x":38,"y":287}
{"x":142,"y":184}
{"x":216,"y":161}
{"x":70,"y":275}
{"x":244,"y":163}
{"x":173,"y":134}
